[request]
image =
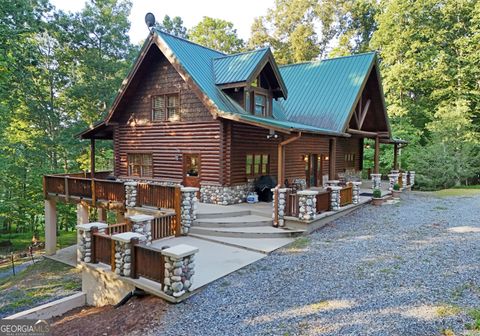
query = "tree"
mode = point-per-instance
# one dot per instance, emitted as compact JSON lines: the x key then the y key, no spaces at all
{"x":302,"y":30}
{"x":173,"y":26}
{"x":217,"y":34}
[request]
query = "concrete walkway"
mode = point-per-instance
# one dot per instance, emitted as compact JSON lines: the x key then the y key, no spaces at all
{"x":213,"y":260}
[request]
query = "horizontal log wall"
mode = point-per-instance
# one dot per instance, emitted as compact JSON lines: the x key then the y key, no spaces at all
{"x":347,"y":146}
{"x":246,"y":139}
{"x":307,"y":144}
{"x":167,"y":143}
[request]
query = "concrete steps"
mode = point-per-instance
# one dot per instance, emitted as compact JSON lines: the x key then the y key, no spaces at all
{"x":241,"y":220}
{"x":245,"y":232}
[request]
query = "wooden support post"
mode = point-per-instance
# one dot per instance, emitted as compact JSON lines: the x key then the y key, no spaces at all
{"x":112,"y":255}
{"x":332,"y":153}
{"x":92,"y":171}
{"x":376,"y":164}
{"x":395,"y":156}
{"x":275,"y":207}
{"x":50,"y":226}
{"x":178,"y":211}
{"x":93,"y":242}
{"x":133,"y":261}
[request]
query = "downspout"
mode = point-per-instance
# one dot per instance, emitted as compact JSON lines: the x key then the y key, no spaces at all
{"x":281,"y":148}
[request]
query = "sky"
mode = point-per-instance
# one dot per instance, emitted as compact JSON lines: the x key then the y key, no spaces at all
{"x":241,"y":13}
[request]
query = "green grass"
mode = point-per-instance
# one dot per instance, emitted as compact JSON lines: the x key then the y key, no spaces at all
{"x":41,"y":282}
{"x":21,"y":241}
{"x":475,"y":315}
{"x":457,"y":192}
{"x":299,"y":244}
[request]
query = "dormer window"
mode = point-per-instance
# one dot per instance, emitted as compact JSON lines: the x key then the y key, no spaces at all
{"x":260,"y":107}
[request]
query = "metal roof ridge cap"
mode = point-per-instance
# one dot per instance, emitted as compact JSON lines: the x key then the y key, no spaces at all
{"x":157,"y":30}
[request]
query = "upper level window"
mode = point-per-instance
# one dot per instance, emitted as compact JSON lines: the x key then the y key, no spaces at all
{"x":165,"y":107}
{"x":140,"y":165}
{"x":260,"y":107}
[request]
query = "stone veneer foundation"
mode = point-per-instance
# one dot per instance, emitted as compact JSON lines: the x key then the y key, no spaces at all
{"x":225,"y":195}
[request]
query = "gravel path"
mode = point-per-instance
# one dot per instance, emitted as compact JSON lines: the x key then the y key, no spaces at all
{"x":411,"y":268}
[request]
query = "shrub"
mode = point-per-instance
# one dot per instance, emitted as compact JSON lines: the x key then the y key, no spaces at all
{"x":377,"y":193}
{"x":396,"y":187}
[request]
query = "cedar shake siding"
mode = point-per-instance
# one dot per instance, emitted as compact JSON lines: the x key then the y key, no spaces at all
{"x":158,"y":77}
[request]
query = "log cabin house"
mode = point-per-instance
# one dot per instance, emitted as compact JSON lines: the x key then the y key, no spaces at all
{"x":192,"y":116}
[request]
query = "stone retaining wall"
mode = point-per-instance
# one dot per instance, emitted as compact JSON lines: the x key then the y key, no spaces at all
{"x":225,"y":195}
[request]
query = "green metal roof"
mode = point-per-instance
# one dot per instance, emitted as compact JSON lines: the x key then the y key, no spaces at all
{"x":238,"y":67}
{"x":322,"y":93}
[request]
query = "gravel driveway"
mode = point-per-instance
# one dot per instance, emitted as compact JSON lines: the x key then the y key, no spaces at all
{"x":410,"y":268}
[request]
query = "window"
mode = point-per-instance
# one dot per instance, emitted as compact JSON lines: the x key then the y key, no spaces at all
{"x":260,"y":104}
{"x":166,"y":107}
{"x":257,"y":164}
{"x":140,"y":165}
{"x":350,"y":160}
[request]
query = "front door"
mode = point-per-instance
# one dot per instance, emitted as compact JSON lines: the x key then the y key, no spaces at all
{"x":191,"y":170}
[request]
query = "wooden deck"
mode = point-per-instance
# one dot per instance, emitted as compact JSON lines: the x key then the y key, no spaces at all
{"x":104,"y":192}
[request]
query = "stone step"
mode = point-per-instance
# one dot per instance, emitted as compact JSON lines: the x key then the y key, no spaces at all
{"x":239,"y":221}
{"x":216,"y":214}
{"x":246,"y":232}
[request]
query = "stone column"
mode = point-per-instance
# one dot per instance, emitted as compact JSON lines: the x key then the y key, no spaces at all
{"x":84,"y":242}
{"x":50,"y":226}
{"x":130,"y":194}
{"x":188,"y":208}
{"x":335,"y":197}
{"x":404,"y":180}
{"x":282,"y":202}
{"x":376,"y":181}
{"x":143,"y":224}
{"x":307,"y":204}
{"x":393,"y":179}
{"x":82,"y":214}
{"x":179,"y":269}
{"x":412,"y":177}
{"x":123,"y":251}
{"x":355,"y":192}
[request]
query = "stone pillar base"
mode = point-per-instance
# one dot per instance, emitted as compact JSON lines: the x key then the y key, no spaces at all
{"x":179,"y":269}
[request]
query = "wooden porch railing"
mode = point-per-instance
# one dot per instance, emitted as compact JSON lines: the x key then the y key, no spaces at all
{"x":147,"y":262}
{"x":84,"y":187}
{"x":119,"y":228}
{"x":323,"y":201}
{"x":103,"y":249}
{"x":291,"y":206}
{"x":164,"y":226}
{"x":157,"y":196}
{"x":346,"y":195}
